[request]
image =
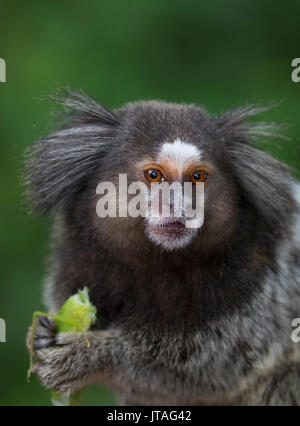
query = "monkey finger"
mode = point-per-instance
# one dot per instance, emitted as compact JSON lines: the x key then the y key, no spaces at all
{"x":48,"y":323}
{"x":43,"y":342}
{"x":43,"y":332}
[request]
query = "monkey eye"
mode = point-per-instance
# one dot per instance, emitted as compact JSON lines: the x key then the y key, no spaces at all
{"x":153,"y":175}
{"x":199,"y":176}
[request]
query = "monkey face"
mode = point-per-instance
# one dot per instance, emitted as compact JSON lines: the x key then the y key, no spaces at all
{"x":185,"y":194}
{"x":188,"y":197}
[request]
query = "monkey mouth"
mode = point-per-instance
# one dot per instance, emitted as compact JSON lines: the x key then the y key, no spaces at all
{"x":170,"y":233}
{"x":168,"y":228}
{"x":170,"y":224}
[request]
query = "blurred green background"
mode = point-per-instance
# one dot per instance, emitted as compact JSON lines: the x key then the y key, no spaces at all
{"x":215,"y":53}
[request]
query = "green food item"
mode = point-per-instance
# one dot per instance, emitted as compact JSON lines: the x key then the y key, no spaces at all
{"x":77,"y":314}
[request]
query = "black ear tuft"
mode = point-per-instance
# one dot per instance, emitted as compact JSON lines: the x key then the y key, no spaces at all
{"x":58,"y":165}
{"x":84,"y":109}
{"x":265,"y":181}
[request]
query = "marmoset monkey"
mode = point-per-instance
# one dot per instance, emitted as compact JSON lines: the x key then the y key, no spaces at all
{"x":185,"y":316}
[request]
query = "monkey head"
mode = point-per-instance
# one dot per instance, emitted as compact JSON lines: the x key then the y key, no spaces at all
{"x":153,"y":144}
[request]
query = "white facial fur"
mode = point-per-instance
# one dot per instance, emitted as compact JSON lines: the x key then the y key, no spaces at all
{"x":181,"y":153}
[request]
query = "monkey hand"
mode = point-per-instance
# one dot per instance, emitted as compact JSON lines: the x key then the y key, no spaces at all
{"x":67,"y":362}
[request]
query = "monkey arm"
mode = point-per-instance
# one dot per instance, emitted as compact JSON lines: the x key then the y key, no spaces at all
{"x":146,"y":371}
{"x":67,"y":362}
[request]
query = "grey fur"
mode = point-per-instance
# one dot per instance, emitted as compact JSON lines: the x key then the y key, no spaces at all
{"x":173,"y":330}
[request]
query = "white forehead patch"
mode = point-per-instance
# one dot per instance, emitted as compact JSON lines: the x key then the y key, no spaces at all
{"x":182,"y":153}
